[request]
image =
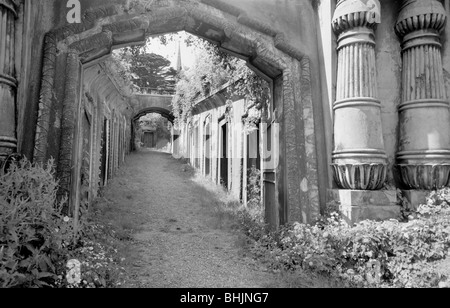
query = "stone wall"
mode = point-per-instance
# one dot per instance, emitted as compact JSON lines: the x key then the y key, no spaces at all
{"x":193,"y":145}
{"x":104,"y":101}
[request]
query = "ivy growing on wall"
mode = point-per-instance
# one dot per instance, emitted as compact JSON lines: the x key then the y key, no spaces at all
{"x":213,"y":69}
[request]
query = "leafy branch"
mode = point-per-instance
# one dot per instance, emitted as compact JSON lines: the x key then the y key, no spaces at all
{"x":212,"y":70}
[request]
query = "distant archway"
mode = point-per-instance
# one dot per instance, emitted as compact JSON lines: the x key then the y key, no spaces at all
{"x":161,"y":104}
{"x":163,"y":112}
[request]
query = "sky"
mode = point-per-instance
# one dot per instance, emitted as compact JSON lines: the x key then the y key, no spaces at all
{"x":170,"y":51}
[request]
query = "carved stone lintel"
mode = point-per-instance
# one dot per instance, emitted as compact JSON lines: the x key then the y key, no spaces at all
{"x":360,"y":176}
{"x":100,"y":40}
{"x":137,"y":23}
{"x":425,"y":177}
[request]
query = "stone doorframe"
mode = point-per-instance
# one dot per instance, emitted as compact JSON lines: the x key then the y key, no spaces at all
{"x":69,"y":48}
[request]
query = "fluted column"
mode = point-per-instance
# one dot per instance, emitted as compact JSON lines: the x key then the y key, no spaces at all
{"x":359,"y":158}
{"x":424,"y":141}
{"x":8,"y":82}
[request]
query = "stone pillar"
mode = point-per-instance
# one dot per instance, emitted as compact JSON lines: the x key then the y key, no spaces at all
{"x":359,"y":158}
{"x":424,"y":141}
{"x":8,"y":83}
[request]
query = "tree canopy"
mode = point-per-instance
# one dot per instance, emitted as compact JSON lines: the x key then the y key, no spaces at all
{"x":149,"y":72}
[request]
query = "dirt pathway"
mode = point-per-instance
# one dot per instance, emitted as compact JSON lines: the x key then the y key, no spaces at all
{"x":176,"y":240}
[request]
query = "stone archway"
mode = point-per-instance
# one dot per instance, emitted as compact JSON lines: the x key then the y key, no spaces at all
{"x":161,"y":104}
{"x":68,"y":50}
{"x":163,"y":112}
{"x":155,"y":104}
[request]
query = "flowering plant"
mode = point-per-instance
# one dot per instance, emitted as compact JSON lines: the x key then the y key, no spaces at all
{"x":383,"y":254}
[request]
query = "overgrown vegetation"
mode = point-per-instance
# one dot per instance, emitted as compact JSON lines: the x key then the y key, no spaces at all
{"x":148,"y":72}
{"x":371,"y":254}
{"x":212,"y":70}
{"x":254,"y":204}
{"x":39,"y":248}
{"x":160,"y":126}
{"x":37,"y":242}
{"x":157,"y":123}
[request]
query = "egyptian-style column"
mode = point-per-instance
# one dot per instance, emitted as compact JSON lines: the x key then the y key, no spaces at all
{"x":359,"y":158}
{"x":8,"y":83}
{"x":424,"y":141}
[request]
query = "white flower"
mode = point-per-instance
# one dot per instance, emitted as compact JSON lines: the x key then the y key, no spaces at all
{"x":66,"y":219}
{"x":73,"y":275}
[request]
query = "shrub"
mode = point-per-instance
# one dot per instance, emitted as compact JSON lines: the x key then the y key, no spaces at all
{"x":37,"y":241}
{"x":32,"y":230}
{"x":373,"y":254}
{"x":98,"y":266}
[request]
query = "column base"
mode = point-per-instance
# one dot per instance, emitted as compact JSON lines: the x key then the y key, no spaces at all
{"x":415,"y":198}
{"x":360,"y":205}
{"x":363,"y":176}
{"x":425,"y":176}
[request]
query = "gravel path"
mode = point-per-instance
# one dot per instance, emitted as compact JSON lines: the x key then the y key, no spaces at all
{"x":176,"y":239}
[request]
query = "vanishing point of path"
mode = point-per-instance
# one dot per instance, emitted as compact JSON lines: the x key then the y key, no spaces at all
{"x":175,"y":237}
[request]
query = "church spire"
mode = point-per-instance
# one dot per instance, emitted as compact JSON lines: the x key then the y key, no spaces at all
{"x":179,"y":64}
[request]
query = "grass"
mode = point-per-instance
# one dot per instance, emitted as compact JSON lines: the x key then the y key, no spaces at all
{"x":229,"y":213}
{"x":220,"y":211}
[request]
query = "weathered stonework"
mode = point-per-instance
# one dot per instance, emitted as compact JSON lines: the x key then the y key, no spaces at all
{"x":425,"y":176}
{"x":68,"y":177}
{"x":360,"y":176}
{"x":144,"y":104}
{"x":424,"y":141}
{"x":46,"y":99}
{"x":8,"y":82}
{"x":359,"y":158}
{"x":356,"y":205}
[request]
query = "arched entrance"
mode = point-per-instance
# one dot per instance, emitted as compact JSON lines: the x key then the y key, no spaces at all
{"x":155,"y":135}
{"x":300,"y":180}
